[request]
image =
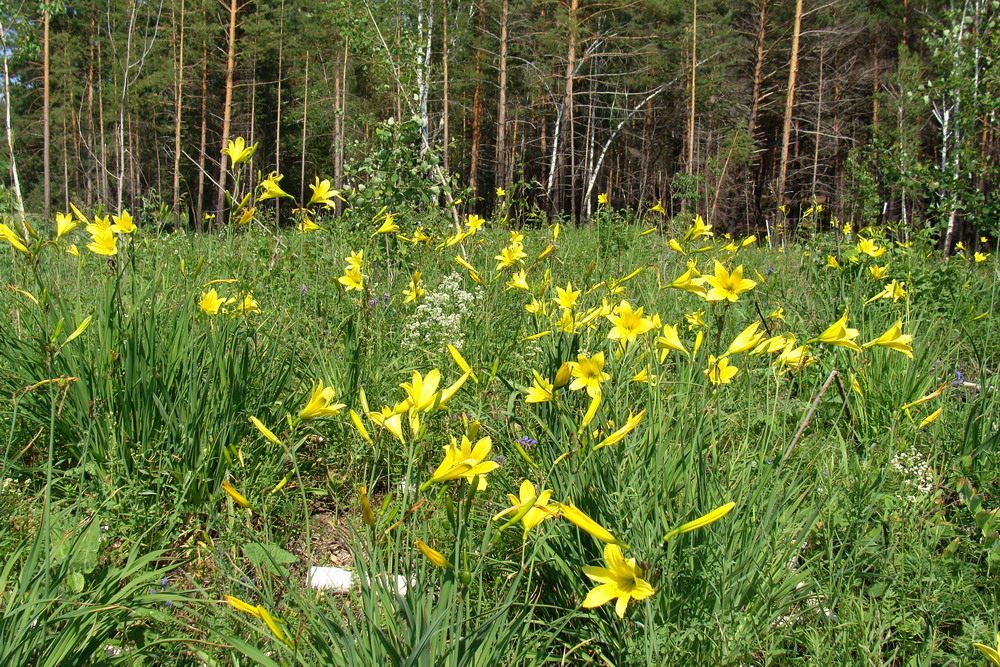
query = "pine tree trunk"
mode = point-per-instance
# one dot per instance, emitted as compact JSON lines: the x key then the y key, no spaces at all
{"x":693,"y":87}
{"x":199,"y":208}
{"x":227,"y":109}
{"x":9,"y":130}
{"x":444,"y":86}
{"x":501,"y":154}
{"x":568,"y":125}
{"x":793,"y":70}
{"x":477,"y":108}
{"x":178,"y":108}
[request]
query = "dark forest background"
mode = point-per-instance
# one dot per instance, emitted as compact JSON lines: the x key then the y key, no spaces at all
{"x":749,"y":113}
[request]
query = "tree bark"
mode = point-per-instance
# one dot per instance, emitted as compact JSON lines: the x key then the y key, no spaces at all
{"x":178,"y":107}
{"x":793,"y":70}
{"x":227,"y":108}
{"x":694,"y":87}
{"x":500,"y":177}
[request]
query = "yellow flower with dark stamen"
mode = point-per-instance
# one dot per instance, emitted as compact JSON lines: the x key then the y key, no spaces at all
{"x":620,"y":580}
{"x":519,"y":280}
{"x":589,"y":373}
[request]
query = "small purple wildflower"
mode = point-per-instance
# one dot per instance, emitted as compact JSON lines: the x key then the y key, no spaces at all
{"x":527,"y":442}
{"x":500,"y":459}
{"x":304,"y":289}
{"x":959,"y":379}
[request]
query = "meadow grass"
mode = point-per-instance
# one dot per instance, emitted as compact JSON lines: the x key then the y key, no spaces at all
{"x":862,"y":532}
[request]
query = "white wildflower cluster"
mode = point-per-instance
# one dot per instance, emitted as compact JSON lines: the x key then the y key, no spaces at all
{"x":916,"y":471}
{"x":438,"y":319}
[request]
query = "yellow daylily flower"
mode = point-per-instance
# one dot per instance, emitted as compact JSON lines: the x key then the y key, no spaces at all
{"x":868,"y":247}
{"x":894,"y":339}
{"x":104,"y":243}
{"x":237,"y":497}
{"x":123,"y":223}
{"x":539,"y":511}
{"x":701,"y":521}
{"x":211,"y":302}
{"x":414,"y":290}
{"x":64,"y":224}
{"x":511,"y":255}
{"x":980,"y":257}
{"x":307,"y":225}
{"x":931,"y":417}
{"x":436,"y":558}
{"x":352,"y":279}
{"x":617,"y":436}
{"x":991,"y":653}
{"x":658,"y":208}
{"x":422,"y":391}
{"x":727,"y":286}
{"x":388,"y":226}
{"x":567,"y":298}
{"x":878,"y":272}
{"x":832,"y":262}
{"x":238,"y":151}
{"x":747,"y":339}
{"x":271,"y":189}
{"x":670,"y":340}
{"x":628,"y":324}
{"x":319,"y":403}
{"x":720,"y":371}
{"x":894,"y":290}
{"x":323,"y":193}
{"x":264,"y":431}
{"x":464,"y":461}
{"x":72,"y":250}
{"x":519,"y":280}
{"x":577,"y":517}
{"x":390,"y":420}
{"x":839,"y":334}
{"x":620,"y":580}
{"x":698,"y":229}
{"x":589,"y":373}
{"x":603,"y":198}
